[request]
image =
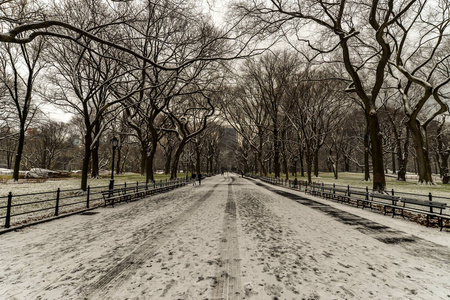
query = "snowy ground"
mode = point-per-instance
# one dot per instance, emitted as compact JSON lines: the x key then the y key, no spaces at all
{"x":231,"y":238}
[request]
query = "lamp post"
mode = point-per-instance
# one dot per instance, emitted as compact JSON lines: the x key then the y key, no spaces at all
{"x":295,"y":170}
{"x":114,"y":143}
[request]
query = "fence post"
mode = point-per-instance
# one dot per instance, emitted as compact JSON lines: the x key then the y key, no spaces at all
{"x":392,"y":192}
{"x":88,"y":196}
{"x":58,"y":192}
{"x":334,"y":190}
{"x":430,"y":197}
{"x":8,"y":211}
{"x":348,"y":190}
{"x":367,"y":194}
{"x":125,"y":185}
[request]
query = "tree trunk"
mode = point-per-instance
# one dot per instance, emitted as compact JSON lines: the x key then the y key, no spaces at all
{"x":394,"y":170}
{"x":444,"y":167}
{"x":9,"y":158}
{"x":366,"y":156}
{"x":442,"y":155}
{"x":285,"y":166}
{"x":276,"y":149}
{"x":309,"y":167}
{"x":379,"y":180}
{"x":149,"y":167}
{"x":198,"y":161}
{"x":316,"y":163}
{"x":211,"y":162}
{"x":43,"y":163}
{"x":336,"y":166}
{"x":346,"y":164}
{"x":263,"y":168}
{"x":95,"y":172}
{"x":176,"y":159}
{"x":419,"y":136}
{"x":19,"y":152}
{"x":167,"y":163}
{"x":260,"y":154}
{"x":302,"y":169}
{"x":143,"y":160}
{"x":86,"y":159}
{"x":402,"y":157}
{"x":94,"y":165}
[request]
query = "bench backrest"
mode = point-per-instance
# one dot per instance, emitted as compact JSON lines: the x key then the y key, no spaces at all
{"x":384,"y":196}
{"x":128,"y":189}
{"x":112,"y":192}
{"x":424,"y":203}
{"x":358,"y":193}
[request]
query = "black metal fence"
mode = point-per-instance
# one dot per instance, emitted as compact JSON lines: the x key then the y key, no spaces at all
{"x":26,"y":208}
{"x":302,"y":185}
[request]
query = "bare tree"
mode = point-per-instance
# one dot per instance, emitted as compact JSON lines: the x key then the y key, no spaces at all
{"x":317,"y":112}
{"x":19,"y":69}
{"x":49,"y":140}
{"x":421,"y":65}
{"x":443,"y":149}
{"x":188,"y":122}
{"x":360,"y":30}
{"x":241,"y":106}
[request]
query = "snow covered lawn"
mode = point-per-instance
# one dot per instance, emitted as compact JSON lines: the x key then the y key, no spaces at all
{"x":230,"y":238}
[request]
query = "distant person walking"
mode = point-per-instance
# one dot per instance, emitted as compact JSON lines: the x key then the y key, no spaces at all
{"x":193,"y":178}
{"x":200,"y":177}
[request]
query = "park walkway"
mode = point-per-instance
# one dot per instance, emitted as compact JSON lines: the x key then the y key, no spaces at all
{"x":230,"y":238}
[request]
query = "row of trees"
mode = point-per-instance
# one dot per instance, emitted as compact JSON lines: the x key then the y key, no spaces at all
{"x":161,"y":66}
{"x":58,"y":146}
{"x":157,"y":66}
{"x":389,"y":53}
{"x":285,"y":111}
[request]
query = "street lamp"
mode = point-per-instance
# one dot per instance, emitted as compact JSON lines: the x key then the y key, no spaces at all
{"x":295,"y":170}
{"x":114,"y":143}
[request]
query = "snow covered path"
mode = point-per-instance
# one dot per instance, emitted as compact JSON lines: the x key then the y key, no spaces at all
{"x":230,"y":238}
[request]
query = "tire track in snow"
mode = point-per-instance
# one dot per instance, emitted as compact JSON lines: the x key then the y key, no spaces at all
{"x":228,"y":279}
{"x":104,"y":287}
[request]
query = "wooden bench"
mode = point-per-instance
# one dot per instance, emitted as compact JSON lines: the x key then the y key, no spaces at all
{"x":341,"y":195}
{"x":134,"y":192}
{"x":314,"y":190}
{"x":327,"y":192}
{"x":410,"y":204}
{"x":308,"y":189}
{"x":115,"y":196}
{"x":387,"y":201}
